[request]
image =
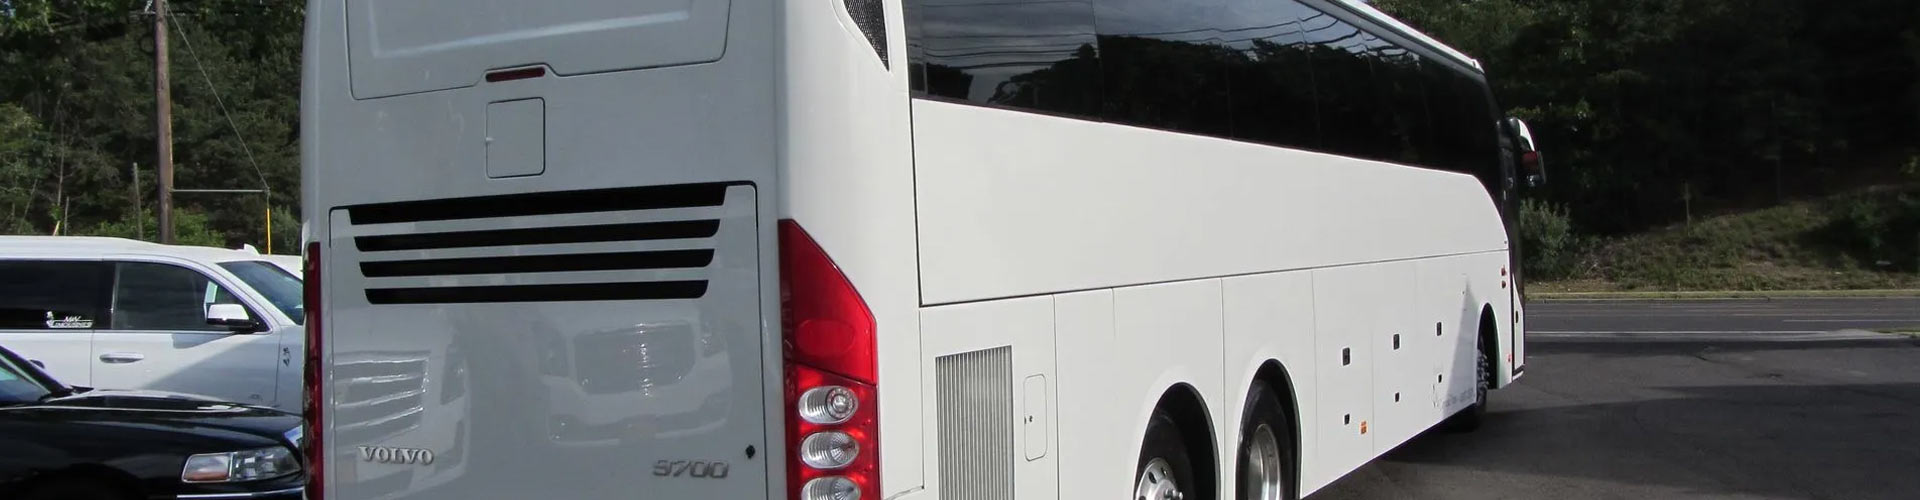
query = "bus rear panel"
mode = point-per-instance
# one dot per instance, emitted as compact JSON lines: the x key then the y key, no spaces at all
{"x":542,"y":267}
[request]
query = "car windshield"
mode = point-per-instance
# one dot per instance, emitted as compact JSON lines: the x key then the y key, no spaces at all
{"x":278,"y":286}
{"x":16,"y":385}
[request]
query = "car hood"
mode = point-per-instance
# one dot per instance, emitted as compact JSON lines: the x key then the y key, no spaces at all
{"x":152,"y":408}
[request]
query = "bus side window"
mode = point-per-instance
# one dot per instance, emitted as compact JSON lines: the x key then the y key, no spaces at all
{"x":1036,"y":54}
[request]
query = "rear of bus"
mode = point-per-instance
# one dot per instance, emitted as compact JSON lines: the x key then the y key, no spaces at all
{"x":546,"y":243}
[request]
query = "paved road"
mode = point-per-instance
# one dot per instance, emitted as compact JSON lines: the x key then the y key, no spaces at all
{"x":1730,"y":399}
{"x":1719,"y":319}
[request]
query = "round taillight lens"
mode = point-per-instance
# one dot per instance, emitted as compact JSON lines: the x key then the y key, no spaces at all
{"x":830,"y":488}
{"x":828,"y":405}
{"x":829,"y":450}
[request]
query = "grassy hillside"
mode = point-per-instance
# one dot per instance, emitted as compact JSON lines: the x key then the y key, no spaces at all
{"x":1868,"y":240}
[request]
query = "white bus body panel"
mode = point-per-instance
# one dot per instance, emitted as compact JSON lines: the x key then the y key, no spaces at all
{"x":846,"y":176}
{"x":1160,"y":336}
{"x":1270,"y":318}
{"x":1058,"y":204}
{"x":530,"y":398}
{"x":1117,"y":263}
{"x":1027,"y":326}
{"x":1201,"y":260}
{"x":408,"y":46}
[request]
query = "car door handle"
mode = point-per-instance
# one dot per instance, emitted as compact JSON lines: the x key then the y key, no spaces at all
{"x":122,"y":357}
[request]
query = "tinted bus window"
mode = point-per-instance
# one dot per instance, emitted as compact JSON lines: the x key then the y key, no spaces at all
{"x":1449,"y":116}
{"x":1277,"y":72}
{"x":1481,"y":154}
{"x":1272,"y":82}
{"x":1038,"y":54}
{"x":1343,"y":82}
{"x":1409,"y":132}
{"x":1166,"y":63}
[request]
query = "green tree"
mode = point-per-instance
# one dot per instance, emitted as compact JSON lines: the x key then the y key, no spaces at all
{"x":81,"y":73}
{"x":1742,"y":103}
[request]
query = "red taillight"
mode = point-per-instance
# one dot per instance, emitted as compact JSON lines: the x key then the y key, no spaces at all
{"x":828,"y":344}
{"x":827,"y":325}
{"x":314,"y":395}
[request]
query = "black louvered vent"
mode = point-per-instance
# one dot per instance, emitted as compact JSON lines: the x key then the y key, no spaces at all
{"x":641,"y":199}
{"x":871,"y":17}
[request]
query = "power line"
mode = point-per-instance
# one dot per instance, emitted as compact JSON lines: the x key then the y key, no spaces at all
{"x":265,"y":188}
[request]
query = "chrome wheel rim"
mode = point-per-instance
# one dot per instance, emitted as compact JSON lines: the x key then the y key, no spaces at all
{"x":1156,"y":482}
{"x":1264,"y":480}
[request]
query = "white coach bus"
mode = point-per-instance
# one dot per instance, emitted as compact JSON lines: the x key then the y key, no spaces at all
{"x":884,"y":249}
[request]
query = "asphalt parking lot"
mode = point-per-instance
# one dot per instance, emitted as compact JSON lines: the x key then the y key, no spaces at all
{"x":1686,"y":399}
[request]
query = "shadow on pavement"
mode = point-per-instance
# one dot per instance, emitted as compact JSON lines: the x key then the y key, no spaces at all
{"x":1641,"y":349}
{"x":1702,"y":426}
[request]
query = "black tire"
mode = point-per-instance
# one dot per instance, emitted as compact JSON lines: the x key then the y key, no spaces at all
{"x":1164,"y":442}
{"x":1263,"y":408}
{"x":78,"y":489}
{"x":1469,"y":419}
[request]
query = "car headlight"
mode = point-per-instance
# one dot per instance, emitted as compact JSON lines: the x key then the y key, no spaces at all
{"x":250,"y":465}
{"x":296,"y":436}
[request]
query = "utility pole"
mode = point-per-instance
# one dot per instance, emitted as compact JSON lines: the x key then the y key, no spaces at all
{"x":163,"y":118}
{"x":139,"y":211}
{"x":1686,"y":201}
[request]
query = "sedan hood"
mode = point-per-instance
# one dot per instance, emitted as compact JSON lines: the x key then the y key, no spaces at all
{"x":167,"y":409}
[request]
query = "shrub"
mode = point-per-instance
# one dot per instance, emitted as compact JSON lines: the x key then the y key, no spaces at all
{"x":1547,"y":241}
{"x":190,"y":228}
{"x":1881,"y":231}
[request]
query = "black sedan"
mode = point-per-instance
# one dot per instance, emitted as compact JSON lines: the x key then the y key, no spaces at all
{"x":70,"y":443}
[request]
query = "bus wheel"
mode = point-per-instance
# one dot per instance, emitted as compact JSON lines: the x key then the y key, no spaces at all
{"x":1469,"y":419}
{"x":1264,"y":468}
{"x":1165,"y":471}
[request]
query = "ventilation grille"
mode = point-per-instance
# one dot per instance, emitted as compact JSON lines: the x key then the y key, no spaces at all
{"x":497,"y":257}
{"x":976,"y":424}
{"x":871,"y":17}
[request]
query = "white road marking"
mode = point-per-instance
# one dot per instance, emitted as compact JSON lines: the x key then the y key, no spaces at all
{"x":1683,"y":314}
{"x":1889,"y":320}
{"x":1667,"y":332}
{"x":1711,"y":335}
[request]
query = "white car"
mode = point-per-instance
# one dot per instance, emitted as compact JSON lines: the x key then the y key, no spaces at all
{"x":291,"y":263}
{"x":123,"y":314}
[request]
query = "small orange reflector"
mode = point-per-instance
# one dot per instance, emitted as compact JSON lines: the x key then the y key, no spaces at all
{"x":516,"y":74}
{"x":1363,"y":427}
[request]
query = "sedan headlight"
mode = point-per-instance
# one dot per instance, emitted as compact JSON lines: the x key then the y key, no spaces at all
{"x":296,"y":436}
{"x":250,"y":465}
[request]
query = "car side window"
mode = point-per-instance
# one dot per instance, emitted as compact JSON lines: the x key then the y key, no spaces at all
{"x":53,"y":295}
{"x":151,"y":296}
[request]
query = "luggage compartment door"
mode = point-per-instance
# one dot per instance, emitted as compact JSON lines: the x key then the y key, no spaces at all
{"x":595,"y":344}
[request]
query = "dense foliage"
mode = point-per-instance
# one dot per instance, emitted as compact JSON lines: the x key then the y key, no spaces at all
{"x":1654,"y":110}
{"x":76,"y":116}
{"x":1651,"y":111}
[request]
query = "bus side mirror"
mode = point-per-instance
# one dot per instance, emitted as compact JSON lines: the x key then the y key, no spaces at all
{"x":1532,"y":168}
